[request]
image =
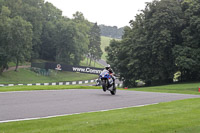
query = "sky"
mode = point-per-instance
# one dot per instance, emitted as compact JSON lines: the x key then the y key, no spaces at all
{"x":108,"y":12}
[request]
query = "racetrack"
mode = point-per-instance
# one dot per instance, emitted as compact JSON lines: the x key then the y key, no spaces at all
{"x":16,"y":106}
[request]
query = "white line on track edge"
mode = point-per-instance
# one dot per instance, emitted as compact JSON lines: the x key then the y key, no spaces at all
{"x":26,"y":119}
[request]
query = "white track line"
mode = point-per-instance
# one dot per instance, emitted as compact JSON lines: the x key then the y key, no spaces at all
{"x":26,"y":119}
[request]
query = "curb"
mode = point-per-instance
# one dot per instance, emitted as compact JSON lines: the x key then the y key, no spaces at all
{"x":55,"y":83}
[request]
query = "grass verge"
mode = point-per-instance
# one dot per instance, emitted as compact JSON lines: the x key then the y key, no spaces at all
{"x":173,"y":117}
{"x":57,"y":87}
{"x":183,"y":88}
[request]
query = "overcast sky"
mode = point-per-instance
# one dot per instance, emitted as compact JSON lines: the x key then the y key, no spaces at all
{"x":109,"y":12}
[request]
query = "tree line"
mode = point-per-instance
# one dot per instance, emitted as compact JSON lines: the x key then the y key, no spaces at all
{"x":32,"y":29}
{"x":162,"y":40}
{"x":111,"y":31}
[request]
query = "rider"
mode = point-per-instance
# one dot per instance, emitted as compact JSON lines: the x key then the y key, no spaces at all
{"x":110,"y":72}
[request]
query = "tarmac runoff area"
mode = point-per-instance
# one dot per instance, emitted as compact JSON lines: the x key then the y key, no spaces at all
{"x":29,"y":105}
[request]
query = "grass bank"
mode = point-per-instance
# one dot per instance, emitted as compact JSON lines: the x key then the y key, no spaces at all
{"x":26,"y":76}
{"x":173,"y":117}
{"x":86,"y":61}
{"x":105,"y":41}
{"x":183,"y":88}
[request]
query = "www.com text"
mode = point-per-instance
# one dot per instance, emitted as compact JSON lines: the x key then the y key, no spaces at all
{"x":86,"y":70}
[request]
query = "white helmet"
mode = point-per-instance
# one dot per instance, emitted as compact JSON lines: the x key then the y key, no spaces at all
{"x":107,"y":67}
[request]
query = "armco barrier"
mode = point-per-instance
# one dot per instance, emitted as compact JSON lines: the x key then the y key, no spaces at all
{"x":56,"y":83}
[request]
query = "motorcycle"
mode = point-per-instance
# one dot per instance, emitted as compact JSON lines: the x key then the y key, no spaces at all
{"x":107,"y":82}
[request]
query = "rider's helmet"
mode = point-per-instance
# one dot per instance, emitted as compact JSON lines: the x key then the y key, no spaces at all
{"x":107,"y":67}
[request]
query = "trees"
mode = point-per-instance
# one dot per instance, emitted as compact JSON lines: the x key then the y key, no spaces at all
{"x":88,"y":38}
{"x":187,"y":56}
{"x":111,"y":31}
{"x":31,"y":11}
{"x":95,"y":51}
{"x":38,"y":27}
{"x":65,"y":42}
{"x":163,"y":23}
{"x":21,"y":40}
{"x":15,"y":39}
{"x":152,"y":48}
{"x":82,"y":37}
{"x":48,"y":37}
{"x":4,"y":38}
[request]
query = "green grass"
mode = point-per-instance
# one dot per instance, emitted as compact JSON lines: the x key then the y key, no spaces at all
{"x":105,"y":41}
{"x":57,"y":87}
{"x":93,"y":64}
{"x":27,"y":76}
{"x":173,"y":117}
{"x":12,"y":64}
{"x":184,"y":88}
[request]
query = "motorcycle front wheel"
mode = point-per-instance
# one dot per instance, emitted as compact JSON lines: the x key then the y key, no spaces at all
{"x":113,"y":92}
{"x":104,"y":85}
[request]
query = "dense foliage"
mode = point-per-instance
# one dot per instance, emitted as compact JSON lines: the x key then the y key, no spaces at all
{"x":111,"y":31}
{"x":36,"y":29}
{"x":95,"y":42}
{"x":162,"y":40}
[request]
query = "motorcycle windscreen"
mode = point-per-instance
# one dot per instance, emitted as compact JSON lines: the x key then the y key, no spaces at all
{"x":104,"y":72}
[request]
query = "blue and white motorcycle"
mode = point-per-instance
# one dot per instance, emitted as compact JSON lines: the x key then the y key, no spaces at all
{"x":107,"y":82}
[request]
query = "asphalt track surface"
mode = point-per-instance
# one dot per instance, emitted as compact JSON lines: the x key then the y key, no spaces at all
{"x":15,"y":106}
